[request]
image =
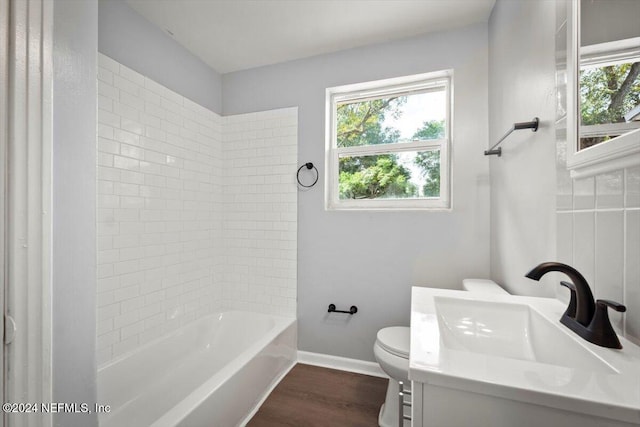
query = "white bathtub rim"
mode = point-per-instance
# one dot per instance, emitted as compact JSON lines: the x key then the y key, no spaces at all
{"x":267,"y":393}
{"x":198,"y":396}
{"x":180,"y":330}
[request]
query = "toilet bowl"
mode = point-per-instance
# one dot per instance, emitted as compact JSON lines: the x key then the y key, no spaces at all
{"x":392,"y":353}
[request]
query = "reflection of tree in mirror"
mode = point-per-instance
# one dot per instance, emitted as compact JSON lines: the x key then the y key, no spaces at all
{"x":607,"y":94}
{"x":383,"y":175}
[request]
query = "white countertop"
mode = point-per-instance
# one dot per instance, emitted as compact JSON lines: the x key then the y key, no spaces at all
{"x":613,"y":392}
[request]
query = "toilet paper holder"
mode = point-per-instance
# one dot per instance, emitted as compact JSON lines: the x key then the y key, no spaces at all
{"x":352,"y":310}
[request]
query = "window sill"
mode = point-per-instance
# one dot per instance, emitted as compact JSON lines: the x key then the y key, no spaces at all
{"x":388,"y":205}
{"x":619,"y":153}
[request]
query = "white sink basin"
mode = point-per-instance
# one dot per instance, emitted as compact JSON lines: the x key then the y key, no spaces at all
{"x":515,"y":348}
{"x":510,"y":330}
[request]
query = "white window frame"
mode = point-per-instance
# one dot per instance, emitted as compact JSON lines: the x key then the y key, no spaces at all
{"x":407,"y":85}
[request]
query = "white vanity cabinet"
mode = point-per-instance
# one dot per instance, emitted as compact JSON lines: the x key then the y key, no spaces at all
{"x":503,"y":361}
{"x":434,"y":406}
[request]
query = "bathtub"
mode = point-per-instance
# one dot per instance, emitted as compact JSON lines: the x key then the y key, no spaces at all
{"x":212,"y":372}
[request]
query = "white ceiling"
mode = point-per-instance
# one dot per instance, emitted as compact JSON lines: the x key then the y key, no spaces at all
{"x":232,"y":35}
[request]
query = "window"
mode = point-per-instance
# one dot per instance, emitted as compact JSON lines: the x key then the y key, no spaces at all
{"x":388,"y":143}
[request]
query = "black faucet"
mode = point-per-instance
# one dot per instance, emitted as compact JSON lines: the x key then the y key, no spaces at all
{"x":585,"y":306}
{"x":583,"y":316}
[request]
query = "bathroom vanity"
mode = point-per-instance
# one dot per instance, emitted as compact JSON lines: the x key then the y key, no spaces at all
{"x":502,"y":360}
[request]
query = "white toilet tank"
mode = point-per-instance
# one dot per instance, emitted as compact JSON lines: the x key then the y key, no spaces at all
{"x":484,"y":286}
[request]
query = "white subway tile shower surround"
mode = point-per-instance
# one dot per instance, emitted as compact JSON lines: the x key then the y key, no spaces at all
{"x":196,"y":212}
{"x":260,"y":212}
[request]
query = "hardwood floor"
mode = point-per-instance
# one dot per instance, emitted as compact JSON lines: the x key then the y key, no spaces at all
{"x":310,"y":396}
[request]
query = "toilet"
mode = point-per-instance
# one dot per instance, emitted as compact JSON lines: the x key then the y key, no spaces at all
{"x":483,"y":286}
{"x":392,"y":354}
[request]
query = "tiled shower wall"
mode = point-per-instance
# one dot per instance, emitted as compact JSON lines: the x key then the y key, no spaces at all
{"x":176,"y":203}
{"x":260,"y":212}
{"x":598,"y":218}
{"x":159,"y":210}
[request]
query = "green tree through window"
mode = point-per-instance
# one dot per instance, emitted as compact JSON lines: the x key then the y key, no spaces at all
{"x":382,"y":176}
{"x":429,"y":161}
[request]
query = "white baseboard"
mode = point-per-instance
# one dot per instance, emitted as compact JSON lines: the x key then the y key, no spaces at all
{"x":341,"y":363}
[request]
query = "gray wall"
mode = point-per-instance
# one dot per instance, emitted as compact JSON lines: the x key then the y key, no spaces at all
{"x":127,"y":37}
{"x":371,"y":259}
{"x":523,"y":180}
{"x":75,"y":41}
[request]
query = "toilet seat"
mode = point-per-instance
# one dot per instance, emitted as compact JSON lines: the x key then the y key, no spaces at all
{"x":395,"y":340}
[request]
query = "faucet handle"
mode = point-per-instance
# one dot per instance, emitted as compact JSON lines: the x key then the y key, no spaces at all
{"x":611,"y":304}
{"x":573,"y":304}
{"x":600,"y":327}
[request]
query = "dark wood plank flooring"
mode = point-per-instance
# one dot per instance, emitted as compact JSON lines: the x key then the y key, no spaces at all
{"x":311,"y":396}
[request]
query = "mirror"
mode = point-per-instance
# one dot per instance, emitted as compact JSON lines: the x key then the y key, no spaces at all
{"x":608,"y":91}
{"x":602,"y":114}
